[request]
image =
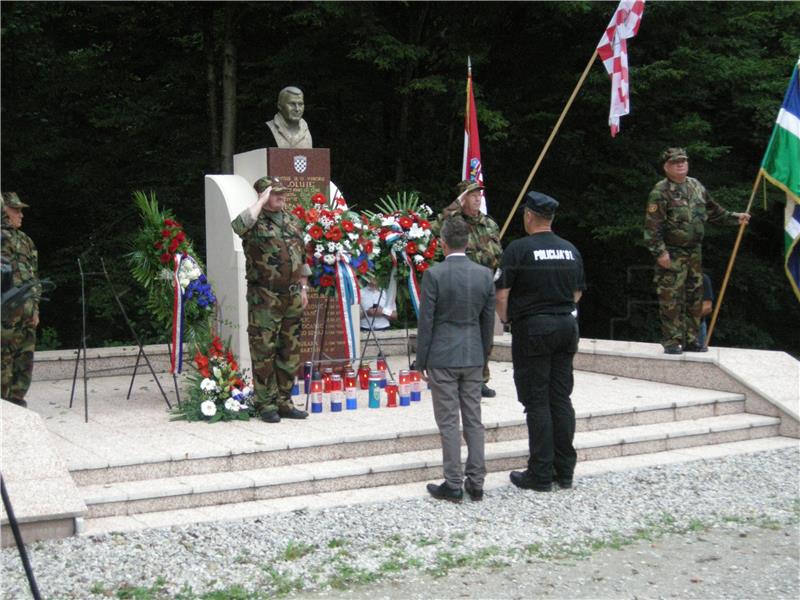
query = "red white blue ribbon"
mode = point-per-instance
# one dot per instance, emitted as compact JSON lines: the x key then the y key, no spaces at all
{"x":176,"y":356}
{"x":348,"y":295}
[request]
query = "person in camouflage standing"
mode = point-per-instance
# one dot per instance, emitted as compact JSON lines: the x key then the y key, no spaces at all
{"x":277,"y":274}
{"x":19,"y":327}
{"x":484,"y":241}
{"x":677,"y":209}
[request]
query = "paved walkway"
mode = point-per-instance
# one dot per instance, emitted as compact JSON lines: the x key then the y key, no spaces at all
{"x":139,"y":430}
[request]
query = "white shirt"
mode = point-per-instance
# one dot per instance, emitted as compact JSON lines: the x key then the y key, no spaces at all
{"x":371,"y":295}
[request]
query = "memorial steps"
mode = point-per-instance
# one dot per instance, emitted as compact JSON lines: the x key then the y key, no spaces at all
{"x":135,"y":469}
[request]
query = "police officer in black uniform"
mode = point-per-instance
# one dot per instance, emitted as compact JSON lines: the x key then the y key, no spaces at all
{"x":540,"y":283}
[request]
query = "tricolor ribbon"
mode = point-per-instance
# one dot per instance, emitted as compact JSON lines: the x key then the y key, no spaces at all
{"x":176,"y":356}
{"x":348,"y":295}
{"x":413,"y":284}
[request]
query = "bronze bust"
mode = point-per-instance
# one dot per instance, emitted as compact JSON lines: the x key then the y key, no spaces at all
{"x":288,"y":127}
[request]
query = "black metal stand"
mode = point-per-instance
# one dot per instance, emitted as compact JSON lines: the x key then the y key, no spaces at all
{"x":136,"y":369}
{"x":82,"y":348}
{"x":23,"y":554}
{"x":372,"y":334}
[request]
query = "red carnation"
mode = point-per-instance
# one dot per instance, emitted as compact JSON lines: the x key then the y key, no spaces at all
{"x":326,"y":281}
{"x":348,"y":226}
{"x":368,"y":247}
{"x":299,"y":212}
{"x":158,"y":245}
{"x":363,"y":267}
{"x":165,"y":233}
{"x":318,"y":199}
{"x":405,"y":222}
{"x":341,"y":201}
{"x":312,"y":214}
{"x":165,"y":258}
{"x":180,"y":237}
{"x":173,"y":245}
{"x":169,"y":222}
{"x":411,"y":247}
{"x":430,"y":252}
{"x":334,"y":234}
{"x":424,"y":224}
{"x":423,"y":266}
{"x":315,"y":232}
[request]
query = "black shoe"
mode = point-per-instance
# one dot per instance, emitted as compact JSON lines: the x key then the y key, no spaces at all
{"x":475,"y":493}
{"x":695,"y":347}
{"x":292,"y":413}
{"x":564,"y":484}
{"x":445,"y":492}
{"x":673,"y":350}
{"x":21,"y":403}
{"x":270,"y":416}
{"x":487,"y":392}
{"x":521,"y":479}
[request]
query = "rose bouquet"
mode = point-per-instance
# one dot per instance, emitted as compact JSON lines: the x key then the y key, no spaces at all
{"x":218,"y":390}
{"x":337,"y":241}
{"x":408,"y":245}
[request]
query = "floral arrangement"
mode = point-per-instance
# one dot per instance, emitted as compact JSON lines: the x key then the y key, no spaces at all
{"x":152,"y":263}
{"x":408,"y":244}
{"x":219,"y":390}
{"x":334,"y":235}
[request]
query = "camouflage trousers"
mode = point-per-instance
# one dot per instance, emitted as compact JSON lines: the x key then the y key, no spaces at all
{"x":18,"y":344}
{"x":680,"y":296}
{"x":274,"y":333}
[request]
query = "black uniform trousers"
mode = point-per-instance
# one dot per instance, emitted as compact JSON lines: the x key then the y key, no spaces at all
{"x":542,"y":350}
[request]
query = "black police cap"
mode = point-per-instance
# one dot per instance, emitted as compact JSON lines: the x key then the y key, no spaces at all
{"x":541,"y":204}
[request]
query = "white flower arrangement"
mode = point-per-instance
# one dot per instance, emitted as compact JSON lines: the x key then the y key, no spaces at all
{"x":209,"y":386}
{"x":208,"y":408}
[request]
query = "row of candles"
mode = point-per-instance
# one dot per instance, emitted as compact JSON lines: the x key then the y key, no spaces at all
{"x":340,"y":391}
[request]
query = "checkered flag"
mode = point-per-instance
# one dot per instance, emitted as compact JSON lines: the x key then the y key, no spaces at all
{"x":613,"y":51}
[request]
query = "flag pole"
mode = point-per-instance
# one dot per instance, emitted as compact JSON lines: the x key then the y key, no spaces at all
{"x":549,"y":141}
{"x":730,"y":263}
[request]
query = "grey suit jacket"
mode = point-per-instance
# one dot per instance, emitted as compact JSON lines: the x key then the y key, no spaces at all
{"x":456,"y":315}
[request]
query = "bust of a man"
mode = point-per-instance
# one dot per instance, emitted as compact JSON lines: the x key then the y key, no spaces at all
{"x":288,"y":127}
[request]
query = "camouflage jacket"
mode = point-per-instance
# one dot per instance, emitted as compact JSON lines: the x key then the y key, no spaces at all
{"x":274,"y":251}
{"x":676,"y":215}
{"x":19,"y":251}
{"x":483,"y":246}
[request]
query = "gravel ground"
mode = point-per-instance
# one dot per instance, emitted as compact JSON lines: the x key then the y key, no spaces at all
{"x":421,"y":540}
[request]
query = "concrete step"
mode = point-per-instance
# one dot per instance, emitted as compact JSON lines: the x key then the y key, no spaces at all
{"x":416,"y":489}
{"x":416,"y":434}
{"x":369,"y":471}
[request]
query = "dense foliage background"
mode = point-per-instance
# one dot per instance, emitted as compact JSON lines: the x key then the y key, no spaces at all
{"x":101,"y":99}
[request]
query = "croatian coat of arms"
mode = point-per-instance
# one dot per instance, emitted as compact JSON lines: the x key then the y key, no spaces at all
{"x":300,"y":163}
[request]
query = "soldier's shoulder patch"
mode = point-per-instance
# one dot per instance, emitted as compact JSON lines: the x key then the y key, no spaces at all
{"x":652,"y":207}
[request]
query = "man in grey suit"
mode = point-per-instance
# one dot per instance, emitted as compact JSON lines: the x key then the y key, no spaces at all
{"x":454,"y":335}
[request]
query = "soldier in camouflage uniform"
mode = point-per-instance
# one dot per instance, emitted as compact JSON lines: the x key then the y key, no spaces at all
{"x":276,"y":273}
{"x":483,"y":246}
{"x":19,"y":327}
{"x":677,"y":209}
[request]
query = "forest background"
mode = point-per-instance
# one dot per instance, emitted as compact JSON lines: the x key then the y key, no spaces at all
{"x":101,"y":99}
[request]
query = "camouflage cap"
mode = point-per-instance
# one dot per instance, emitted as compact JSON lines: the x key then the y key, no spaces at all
{"x":541,"y":204}
{"x":674,"y":154}
{"x":468,"y":186}
{"x":274,"y":182}
{"x":11,"y":199}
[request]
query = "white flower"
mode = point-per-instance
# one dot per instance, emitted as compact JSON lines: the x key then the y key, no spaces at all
{"x":353,"y":236}
{"x":306,"y":238}
{"x":331,"y":247}
{"x":317,"y":255}
{"x":208,"y":408}
{"x":217,"y":373}
{"x":424,"y":208}
{"x":330,"y":259}
{"x":208,"y":385}
{"x":387,"y":221}
{"x":415,"y":232}
{"x":320,"y":248}
{"x":418,"y":258}
{"x":231,"y":405}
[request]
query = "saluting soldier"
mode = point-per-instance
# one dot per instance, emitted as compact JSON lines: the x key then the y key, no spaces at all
{"x":19,"y":326}
{"x":277,"y":276}
{"x":541,"y":281}
{"x":483,"y":246}
{"x":677,"y":209}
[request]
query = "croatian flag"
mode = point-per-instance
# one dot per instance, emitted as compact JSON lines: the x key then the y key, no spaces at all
{"x":613,"y":51}
{"x":781,"y":166}
{"x":471,"y":168}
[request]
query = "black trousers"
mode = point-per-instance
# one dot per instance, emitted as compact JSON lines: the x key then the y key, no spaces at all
{"x":542,"y":350}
